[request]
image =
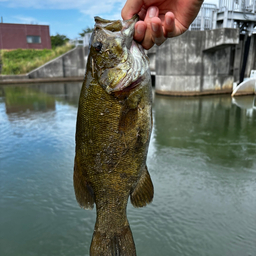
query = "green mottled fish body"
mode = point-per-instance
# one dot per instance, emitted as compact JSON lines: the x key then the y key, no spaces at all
{"x":114,"y":124}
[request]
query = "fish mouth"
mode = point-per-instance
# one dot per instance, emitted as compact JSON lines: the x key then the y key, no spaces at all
{"x":132,"y":65}
{"x":128,"y":30}
{"x":137,"y":72}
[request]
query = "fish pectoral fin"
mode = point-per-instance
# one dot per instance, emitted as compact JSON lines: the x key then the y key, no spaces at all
{"x":83,"y":191}
{"x":144,"y":190}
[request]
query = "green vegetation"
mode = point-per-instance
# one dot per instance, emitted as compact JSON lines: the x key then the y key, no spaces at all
{"x":22,"y":61}
{"x":58,"y":40}
{"x":85,"y":31}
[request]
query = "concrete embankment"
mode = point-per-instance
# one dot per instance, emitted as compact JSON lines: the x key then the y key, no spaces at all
{"x":25,"y":80}
{"x":69,"y":66}
{"x":196,"y":63}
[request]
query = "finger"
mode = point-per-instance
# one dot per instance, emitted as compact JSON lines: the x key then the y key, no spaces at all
{"x":130,"y":8}
{"x":152,"y":12}
{"x":147,"y":42}
{"x":169,"y":25}
{"x":142,"y":13}
{"x":140,"y":30}
{"x":157,"y":31}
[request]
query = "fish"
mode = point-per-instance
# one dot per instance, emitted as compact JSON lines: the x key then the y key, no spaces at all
{"x":113,"y":129}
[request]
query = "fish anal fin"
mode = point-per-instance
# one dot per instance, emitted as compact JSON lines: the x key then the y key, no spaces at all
{"x":83,"y":191}
{"x":144,"y":191}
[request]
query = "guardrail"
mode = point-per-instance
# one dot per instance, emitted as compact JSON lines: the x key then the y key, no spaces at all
{"x":84,"y":41}
{"x":206,"y":18}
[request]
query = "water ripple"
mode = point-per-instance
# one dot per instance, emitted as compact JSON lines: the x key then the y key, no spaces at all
{"x":201,"y":160}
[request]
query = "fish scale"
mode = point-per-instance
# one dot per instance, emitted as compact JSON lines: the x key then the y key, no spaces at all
{"x":113,"y":131}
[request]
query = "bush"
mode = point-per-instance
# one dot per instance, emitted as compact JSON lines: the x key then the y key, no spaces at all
{"x":22,"y":61}
{"x":58,"y":40}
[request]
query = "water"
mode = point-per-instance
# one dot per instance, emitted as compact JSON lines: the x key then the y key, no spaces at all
{"x":201,"y":160}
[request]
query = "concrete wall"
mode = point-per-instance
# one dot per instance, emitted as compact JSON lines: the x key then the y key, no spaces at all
{"x":217,"y":74}
{"x":198,"y":62}
{"x":151,"y":53}
{"x":71,"y":64}
{"x":238,"y":58}
{"x":251,"y":61}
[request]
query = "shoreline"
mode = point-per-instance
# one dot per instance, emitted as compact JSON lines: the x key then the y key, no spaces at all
{"x":23,"y":79}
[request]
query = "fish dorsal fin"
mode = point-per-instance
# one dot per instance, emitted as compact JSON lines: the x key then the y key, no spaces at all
{"x":111,"y":25}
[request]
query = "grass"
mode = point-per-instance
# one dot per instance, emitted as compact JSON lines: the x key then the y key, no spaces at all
{"x":21,"y":61}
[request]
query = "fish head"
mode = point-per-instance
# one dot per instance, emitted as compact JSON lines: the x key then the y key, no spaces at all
{"x":116,"y":61}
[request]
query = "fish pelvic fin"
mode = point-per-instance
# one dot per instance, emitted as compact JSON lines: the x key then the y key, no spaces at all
{"x":116,"y":244}
{"x":144,"y":191}
{"x":83,"y":191}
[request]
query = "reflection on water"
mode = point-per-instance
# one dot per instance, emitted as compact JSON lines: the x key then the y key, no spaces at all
{"x":201,"y":159}
{"x":214,"y":126}
{"x":26,"y":99}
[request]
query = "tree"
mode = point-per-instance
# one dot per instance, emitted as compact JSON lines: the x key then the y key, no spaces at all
{"x":58,"y":40}
{"x":85,"y":31}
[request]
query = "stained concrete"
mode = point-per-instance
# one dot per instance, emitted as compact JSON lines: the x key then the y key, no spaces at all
{"x":251,"y":61}
{"x":13,"y":77}
{"x":197,"y":62}
{"x":70,"y":64}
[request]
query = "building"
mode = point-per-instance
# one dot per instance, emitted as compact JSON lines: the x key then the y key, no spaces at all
{"x":205,"y":18}
{"x":24,"y":36}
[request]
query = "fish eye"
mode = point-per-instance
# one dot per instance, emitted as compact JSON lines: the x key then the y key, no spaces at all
{"x":97,"y":46}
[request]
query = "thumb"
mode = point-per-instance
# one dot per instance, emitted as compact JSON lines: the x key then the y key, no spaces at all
{"x":130,"y":8}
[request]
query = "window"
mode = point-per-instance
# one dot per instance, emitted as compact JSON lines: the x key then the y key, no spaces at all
{"x":34,"y":39}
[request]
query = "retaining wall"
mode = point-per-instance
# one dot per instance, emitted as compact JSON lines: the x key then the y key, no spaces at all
{"x":198,"y":62}
{"x":70,"y":64}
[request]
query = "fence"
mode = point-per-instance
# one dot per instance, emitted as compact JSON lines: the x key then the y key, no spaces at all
{"x":205,"y":18}
{"x":81,"y":40}
{"x":238,"y":5}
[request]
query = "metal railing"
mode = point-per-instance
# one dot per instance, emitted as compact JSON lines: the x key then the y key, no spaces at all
{"x":238,"y":5}
{"x":238,"y":14}
{"x":81,"y":40}
{"x":205,"y":18}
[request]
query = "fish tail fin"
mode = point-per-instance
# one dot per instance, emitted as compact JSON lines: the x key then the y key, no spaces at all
{"x":113,"y":244}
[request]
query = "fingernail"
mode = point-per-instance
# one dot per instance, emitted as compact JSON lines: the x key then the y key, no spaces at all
{"x":152,"y":11}
{"x":140,"y":29}
{"x":154,"y":27}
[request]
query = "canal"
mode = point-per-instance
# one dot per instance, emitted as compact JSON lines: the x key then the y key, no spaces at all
{"x":202,"y":160}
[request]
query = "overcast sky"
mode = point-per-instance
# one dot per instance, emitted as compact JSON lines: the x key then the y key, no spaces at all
{"x":64,"y":16}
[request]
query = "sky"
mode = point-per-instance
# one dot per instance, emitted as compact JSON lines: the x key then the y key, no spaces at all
{"x":65,"y":17}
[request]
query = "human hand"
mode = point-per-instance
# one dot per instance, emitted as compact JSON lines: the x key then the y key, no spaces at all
{"x":160,"y":19}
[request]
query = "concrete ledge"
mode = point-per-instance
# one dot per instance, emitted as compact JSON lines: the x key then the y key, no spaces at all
{"x":42,"y":80}
{"x":220,"y":38}
{"x":13,"y":77}
{"x":190,"y":85}
{"x":178,"y":83}
{"x":176,"y":93}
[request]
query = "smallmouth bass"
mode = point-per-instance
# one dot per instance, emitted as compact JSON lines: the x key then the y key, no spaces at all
{"x":114,"y":123}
